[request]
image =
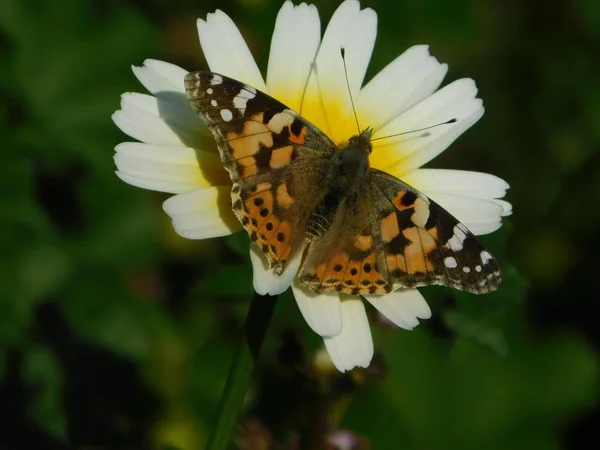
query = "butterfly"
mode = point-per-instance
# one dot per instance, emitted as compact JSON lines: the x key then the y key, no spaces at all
{"x":362,"y":230}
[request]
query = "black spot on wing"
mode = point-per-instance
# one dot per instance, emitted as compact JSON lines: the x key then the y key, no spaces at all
{"x":408,"y":198}
{"x":297,"y":126}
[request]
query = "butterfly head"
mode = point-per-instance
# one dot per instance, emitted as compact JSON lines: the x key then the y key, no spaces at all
{"x":351,"y":161}
{"x":362,"y":141}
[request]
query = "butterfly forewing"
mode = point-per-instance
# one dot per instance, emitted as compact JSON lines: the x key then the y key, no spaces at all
{"x":276,"y":160}
{"x":426,"y":245}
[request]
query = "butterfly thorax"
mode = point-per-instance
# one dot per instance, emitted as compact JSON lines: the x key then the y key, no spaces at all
{"x":349,"y":169}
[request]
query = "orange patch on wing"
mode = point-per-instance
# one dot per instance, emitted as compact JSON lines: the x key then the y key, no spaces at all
{"x":278,"y":240}
{"x":259,"y":207}
{"x":420,"y":238}
{"x":262,"y":187}
{"x":284,"y":199}
{"x":401,"y":262}
{"x":334,"y":269}
{"x":249,"y":141}
{"x":277,"y":252}
{"x":298,"y":138}
{"x":281,"y":157}
{"x":369,"y":276}
{"x":363,"y":243}
{"x":250,"y":170}
{"x":389,"y":227}
{"x":396,"y":262}
{"x":397,"y":201}
{"x":434,"y":233}
{"x":415,"y":261}
{"x":320,"y":271}
{"x":392,"y":262}
{"x":415,"y":254}
{"x":352,"y":274}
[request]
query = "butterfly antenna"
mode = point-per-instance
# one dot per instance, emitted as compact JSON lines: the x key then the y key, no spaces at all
{"x":343,"y":53}
{"x":447,"y":122}
{"x":313,"y":68}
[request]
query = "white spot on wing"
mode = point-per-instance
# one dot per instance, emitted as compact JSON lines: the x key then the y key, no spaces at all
{"x":209,"y":91}
{"x":226,"y":115}
{"x":213,"y":102}
{"x":450,"y":262}
{"x":216,"y":79}
{"x":478,"y":268}
{"x":421,"y":214}
{"x":240,"y":101}
{"x":485,"y":257}
{"x":454,"y":244}
{"x":456,"y":241}
{"x":466,"y":269}
{"x":279,"y":121}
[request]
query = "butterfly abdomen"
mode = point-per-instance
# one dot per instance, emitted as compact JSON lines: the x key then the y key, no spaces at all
{"x":322,"y":216}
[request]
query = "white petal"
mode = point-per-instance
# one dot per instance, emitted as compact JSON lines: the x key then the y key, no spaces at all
{"x":480,"y":216}
{"x":156,"y":121}
{"x":506,"y":207}
{"x":327,"y":96}
{"x":403,"y":307}
{"x":166,"y":82}
{"x":458,"y":182}
{"x":165,"y":168}
{"x":322,"y":312}
{"x":404,"y":82}
{"x":203,"y":213}
{"x":412,"y":150}
{"x":265,"y":281}
{"x":294,"y":46}
{"x":353,"y":347}
{"x":158,"y":76}
{"x":479,"y":229}
{"x":354,"y":30}
{"x":226,"y":51}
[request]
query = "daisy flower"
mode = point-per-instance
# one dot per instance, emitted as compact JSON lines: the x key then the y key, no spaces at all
{"x":306,"y":73}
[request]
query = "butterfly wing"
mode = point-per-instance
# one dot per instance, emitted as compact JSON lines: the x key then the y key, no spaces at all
{"x":277,"y":161}
{"x":402,"y":239}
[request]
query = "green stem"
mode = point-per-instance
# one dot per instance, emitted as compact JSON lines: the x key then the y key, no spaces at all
{"x":240,"y":374}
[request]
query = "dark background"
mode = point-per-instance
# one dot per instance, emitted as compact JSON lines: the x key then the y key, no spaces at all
{"x":116,"y":333}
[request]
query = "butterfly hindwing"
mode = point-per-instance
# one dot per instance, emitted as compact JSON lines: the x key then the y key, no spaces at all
{"x":348,"y":257}
{"x":277,"y":161}
{"x":394,"y":238}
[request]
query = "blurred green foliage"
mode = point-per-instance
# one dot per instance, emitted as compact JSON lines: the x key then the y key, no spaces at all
{"x":116,"y":333}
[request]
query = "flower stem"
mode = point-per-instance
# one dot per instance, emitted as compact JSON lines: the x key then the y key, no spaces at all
{"x":240,"y":374}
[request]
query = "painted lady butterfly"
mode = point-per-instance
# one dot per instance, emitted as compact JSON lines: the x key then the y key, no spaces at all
{"x":362,"y":230}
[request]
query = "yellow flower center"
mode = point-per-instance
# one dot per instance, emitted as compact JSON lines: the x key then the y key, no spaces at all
{"x":333,"y":115}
